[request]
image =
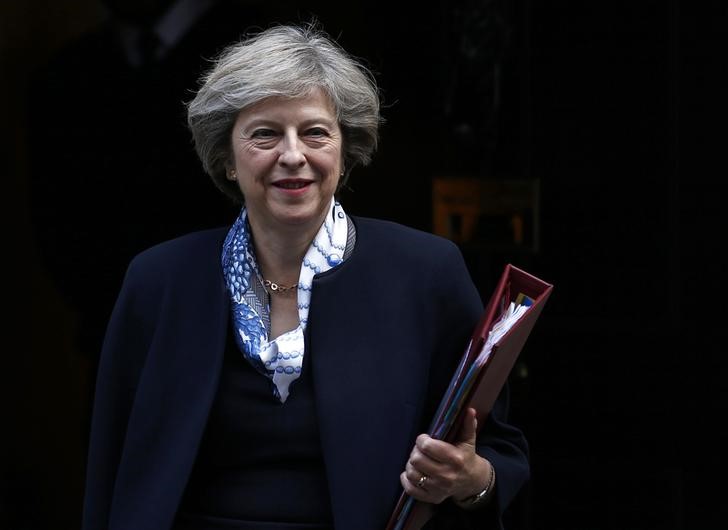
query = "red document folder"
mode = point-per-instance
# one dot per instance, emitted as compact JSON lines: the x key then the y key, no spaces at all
{"x":479,"y":378}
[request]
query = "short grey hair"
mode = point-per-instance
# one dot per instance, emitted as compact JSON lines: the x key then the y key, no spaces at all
{"x":283,"y":61}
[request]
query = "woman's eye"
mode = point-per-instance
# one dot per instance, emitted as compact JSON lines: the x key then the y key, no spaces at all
{"x":263,"y":134}
{"x":316,"y":131}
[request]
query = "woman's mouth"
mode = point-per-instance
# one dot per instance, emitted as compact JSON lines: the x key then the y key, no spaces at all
{"x":291,"y":184}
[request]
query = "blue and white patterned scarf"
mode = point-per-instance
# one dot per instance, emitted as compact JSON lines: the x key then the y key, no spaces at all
{"x":280,"y":359}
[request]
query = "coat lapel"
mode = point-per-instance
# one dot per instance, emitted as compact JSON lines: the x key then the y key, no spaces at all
{"x":367,"y":419}
{"x":175,"y":394}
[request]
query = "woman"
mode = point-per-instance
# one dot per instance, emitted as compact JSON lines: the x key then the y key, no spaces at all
{"x":279,"y":373}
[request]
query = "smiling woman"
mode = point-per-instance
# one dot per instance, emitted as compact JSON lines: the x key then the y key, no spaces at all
{"x":287,"y":160}
{"x":268,"y":65}
{"x":270,"y":374}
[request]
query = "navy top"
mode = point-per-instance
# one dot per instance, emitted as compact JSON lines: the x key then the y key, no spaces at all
{"x":254,"y":447}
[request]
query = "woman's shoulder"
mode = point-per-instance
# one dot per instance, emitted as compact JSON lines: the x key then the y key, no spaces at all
{"x":191,"y":250}
{"x":392,"y":236}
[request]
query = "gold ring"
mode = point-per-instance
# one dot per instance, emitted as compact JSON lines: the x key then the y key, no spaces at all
{"x":421,"y":482}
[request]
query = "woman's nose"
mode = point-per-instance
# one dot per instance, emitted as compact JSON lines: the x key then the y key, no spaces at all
{"x":291,"y":155}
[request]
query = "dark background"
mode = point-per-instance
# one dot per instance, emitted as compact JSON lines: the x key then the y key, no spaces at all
{"x":617,"y":110}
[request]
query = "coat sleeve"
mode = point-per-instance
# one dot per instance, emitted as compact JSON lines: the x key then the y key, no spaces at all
{"x":502,"y":443}
{"x":126,"y":342}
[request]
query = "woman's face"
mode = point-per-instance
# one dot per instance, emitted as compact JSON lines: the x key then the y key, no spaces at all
{"x":287,"y":161}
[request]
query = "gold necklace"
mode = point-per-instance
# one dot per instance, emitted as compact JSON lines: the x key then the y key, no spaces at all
{"x":278,"y":289}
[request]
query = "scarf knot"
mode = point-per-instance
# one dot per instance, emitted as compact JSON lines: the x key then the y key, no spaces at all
{"x":280,"y":359}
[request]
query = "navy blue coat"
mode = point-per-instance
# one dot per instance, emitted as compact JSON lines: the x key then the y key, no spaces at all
{"x":386,"y":329}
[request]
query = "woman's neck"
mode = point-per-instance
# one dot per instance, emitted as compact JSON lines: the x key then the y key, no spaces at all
{"x":279,"y":254}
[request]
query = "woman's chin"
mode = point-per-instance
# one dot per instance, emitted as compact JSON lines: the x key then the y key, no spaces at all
{"x":300,"y":216}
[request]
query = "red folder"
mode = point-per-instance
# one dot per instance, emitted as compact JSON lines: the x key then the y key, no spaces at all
{"x":479,"y":377}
